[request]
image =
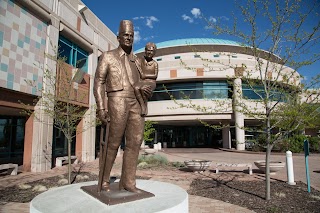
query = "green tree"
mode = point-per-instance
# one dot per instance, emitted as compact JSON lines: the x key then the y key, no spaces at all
{"x":290,"y":31}
{"x":282,"y":37}
{"x":62,"y":102}
{"x":148,"y":131}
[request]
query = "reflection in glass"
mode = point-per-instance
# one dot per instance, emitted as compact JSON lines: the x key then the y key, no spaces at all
{"x":11,"y":139}
{"x":192,"y":90}
{"x":73,"y":54}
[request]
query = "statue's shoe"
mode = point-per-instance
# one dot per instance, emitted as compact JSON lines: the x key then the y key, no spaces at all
{"x":106,"y":186}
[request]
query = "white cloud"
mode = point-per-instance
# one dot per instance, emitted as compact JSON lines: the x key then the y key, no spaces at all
{"x":148,"y":38}
{"x":196,"y":12}
{"x":149,"y":20}
{"x":137,"y":37}
{"x":187,"y":18}
{"x":136,"y":18}
{"x":212,"y":19}
{"x":224,"y":18}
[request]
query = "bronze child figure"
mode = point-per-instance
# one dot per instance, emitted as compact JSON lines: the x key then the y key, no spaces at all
{"x":149,"y":74}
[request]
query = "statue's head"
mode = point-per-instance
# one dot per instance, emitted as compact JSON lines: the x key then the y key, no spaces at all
{"x":150,"y":49}
{"x":126,"y":33}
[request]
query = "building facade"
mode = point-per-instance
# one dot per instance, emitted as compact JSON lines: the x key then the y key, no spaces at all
{"x":200,"y":79}
{"x":32,"y":34}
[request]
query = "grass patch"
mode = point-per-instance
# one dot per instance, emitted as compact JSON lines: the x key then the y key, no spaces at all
{"x":178,"y":164}
{"x":152,"y":160}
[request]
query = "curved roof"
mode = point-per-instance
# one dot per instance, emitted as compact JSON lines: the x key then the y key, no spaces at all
{"x":193,"y":41}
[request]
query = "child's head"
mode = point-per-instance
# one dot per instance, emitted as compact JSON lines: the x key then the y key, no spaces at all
{"x":150,"y":49}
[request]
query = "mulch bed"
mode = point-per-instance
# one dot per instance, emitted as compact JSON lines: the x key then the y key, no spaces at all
{"x":16,"y":194}
{"x":251,"y":195}
{"x":246,"y":193}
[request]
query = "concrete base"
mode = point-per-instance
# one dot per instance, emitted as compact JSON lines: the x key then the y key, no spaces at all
{"x":168,"y":198}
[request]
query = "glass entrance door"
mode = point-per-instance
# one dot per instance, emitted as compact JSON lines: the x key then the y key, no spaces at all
{"x":11,"y":139}
{"x":60,"y":145}
{"x":187,"y":136}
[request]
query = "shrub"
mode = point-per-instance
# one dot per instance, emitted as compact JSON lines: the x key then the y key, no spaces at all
{"x":283,"y":145}
{"x":296,"y":143}
{"x":258,"y":146}
{"x":178,"y":164}
{"x":156,"y":160}
{"x":314,"y":144}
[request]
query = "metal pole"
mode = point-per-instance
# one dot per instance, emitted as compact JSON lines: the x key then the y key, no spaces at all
{"x":103,"y":156}
{"x":306,"y":154}
{"x":290,"y":172}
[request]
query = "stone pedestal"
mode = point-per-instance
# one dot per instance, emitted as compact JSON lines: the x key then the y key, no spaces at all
{"x":168,"y":198}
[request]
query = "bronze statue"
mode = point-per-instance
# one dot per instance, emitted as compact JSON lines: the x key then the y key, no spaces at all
{"x":149,"y":75}
{"x":117,"y":72}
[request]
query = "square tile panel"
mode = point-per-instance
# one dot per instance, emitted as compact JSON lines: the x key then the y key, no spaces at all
{"x":22,"y":43}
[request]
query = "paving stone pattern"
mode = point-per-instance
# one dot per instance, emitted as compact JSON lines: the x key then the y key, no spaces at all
{"x":183,"y":179}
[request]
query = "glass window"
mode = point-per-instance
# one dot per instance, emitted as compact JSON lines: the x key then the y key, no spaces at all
{"x":192,"y":90}
{"x":215,"y":90}
{"x":73,"y":54}
{"x":257,"y":92}
{"x":65,"y":52}
{"x":253,"y":93}
{"x":11,"y":139}
{"x":81,"y":60}
{"x":60,"y":145}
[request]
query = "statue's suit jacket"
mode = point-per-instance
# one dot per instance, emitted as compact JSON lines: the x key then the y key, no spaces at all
{"x":110,"y":72}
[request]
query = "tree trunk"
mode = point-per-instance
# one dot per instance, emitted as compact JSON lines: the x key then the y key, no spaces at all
{"x":268,"y":152}
{"x":69,"y":160}
{"x":69,"y":144}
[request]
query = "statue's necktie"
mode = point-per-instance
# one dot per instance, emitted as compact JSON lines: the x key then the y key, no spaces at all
{"x":128,"y":68}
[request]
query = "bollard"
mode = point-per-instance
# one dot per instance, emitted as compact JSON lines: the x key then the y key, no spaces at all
{"x":155,"y":146}
{"x":290,"y":173}
{"x":159,"y":146}
{"x":306,"y":155}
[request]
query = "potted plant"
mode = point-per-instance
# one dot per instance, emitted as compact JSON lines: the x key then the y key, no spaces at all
{"x":197,"y":165}
{"x":274,"y":166}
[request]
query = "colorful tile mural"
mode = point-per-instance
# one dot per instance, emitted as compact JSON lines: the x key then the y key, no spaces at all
{"x":22,"y":45}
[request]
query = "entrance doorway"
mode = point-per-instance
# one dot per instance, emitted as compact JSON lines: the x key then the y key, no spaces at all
{"x":188,"y":136}
{"x":12,"y":139}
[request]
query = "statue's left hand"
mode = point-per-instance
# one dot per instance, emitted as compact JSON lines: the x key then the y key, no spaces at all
{"x":103,"y":116}
{"x":147,"y":91}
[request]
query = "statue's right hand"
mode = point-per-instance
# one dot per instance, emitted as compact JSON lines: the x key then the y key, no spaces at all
{"x":103,"y":116}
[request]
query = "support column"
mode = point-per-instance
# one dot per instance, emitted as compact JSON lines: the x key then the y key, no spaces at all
{"x":42,"y":141}
{"x":27,"y":151}
{"x":155,"y":137}
{"x":238,"y":114}
{"x":226,"y":137}
{"x":88,"y":136}
{"x":89,"y":119}
{"x":79,"y":141}
{"x":42,"y":135}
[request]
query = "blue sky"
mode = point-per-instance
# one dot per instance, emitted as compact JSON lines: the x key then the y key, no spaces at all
{"x":158,"y":21}
{"x":162,"y":20}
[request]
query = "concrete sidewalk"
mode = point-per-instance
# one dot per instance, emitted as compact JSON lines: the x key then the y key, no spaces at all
{"x":183,"y":179}
{"x":216,"y":156}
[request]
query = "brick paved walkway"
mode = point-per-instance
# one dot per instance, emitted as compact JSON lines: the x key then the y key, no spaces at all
{"x":183,"y":179}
